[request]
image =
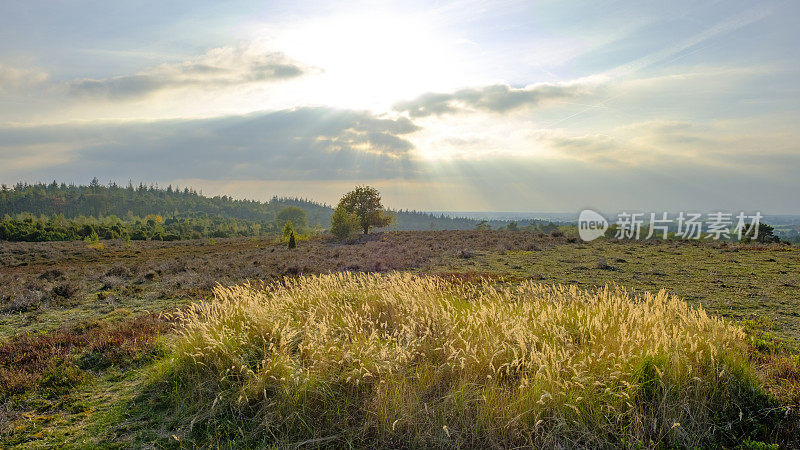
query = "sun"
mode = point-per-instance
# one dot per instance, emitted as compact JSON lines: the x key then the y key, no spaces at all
{"x":372,"y":60}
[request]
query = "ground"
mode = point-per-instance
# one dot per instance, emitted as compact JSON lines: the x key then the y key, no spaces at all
{"x":81,"y":329}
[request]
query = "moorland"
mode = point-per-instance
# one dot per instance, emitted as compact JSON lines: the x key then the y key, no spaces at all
{"x":95,"y":341}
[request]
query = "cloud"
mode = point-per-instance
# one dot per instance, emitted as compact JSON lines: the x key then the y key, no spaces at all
{"x":498,"y":98}
{"x":295,"y":144}
{"x":14,"y":78}
{"x":218,"y":68}
{"x":737,"y":146}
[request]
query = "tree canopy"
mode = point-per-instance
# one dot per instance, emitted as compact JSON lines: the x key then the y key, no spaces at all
{"x":364,"y":202}
{"x":294,"y":215}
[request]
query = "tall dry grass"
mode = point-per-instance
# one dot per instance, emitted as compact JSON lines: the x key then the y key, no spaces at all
{"x":402,"y":360}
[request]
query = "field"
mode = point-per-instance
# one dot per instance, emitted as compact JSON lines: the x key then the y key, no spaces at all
{"x":86,"y":355}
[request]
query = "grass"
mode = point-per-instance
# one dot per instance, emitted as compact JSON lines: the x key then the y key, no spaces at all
{"x":47,"y":380}
{"x":743,"y":282}
{"x":398,"y":360}
{"x":63,"y":300}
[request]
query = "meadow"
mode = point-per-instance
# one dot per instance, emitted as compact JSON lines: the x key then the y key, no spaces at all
{"x":458,"y":339}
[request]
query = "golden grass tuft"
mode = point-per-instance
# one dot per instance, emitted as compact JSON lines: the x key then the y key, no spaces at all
{"x":403,"y":360}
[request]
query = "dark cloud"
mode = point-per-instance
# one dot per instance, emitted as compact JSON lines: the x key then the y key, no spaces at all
{"x":218,"y":68}
{"x":297,"y":144}
{"x":499,"y":98}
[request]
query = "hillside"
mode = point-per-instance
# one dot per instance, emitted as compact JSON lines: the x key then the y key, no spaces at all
{"x":101,"y":201}
{"x":55,"y":212}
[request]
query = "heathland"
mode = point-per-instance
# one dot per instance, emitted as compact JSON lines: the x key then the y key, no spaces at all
{"x":443,"y":338}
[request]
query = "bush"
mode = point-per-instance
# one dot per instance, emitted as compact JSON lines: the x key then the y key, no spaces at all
{"x":66,"y":290}
{"x":288,"y":230}
{"x":93,"y":238}
{"x":405,"y":361}
{"x":139,"y":235}
{"x":343,"y":223}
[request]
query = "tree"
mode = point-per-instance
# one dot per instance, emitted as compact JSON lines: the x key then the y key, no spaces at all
{"x":294,"y":214}
{"x":343,"y":223}
{"x":365,"y":203}
{"x":288,"y":229}
{"x":292,"y":242}
{"x":483,"y":226}
{"x":512,"y":226}
{"x":765,"y":234}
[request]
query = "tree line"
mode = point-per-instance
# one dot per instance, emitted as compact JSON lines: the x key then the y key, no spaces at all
{"x":60,"y":211}
{"x":127,"y":202}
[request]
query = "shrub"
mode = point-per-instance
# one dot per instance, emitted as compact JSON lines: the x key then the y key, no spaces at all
{"x":139,"y":235}
{"x":292,"y":242}
{"x":404,"y":361}
{"x":343,"y":223}
{"x":66,"y":290}
{"x":93,"y":238}
{"x":288,"y":230}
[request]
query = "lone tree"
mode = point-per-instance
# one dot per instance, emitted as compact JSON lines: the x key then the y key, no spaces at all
{"x":364,"y":202}
{"x":765,"y":234}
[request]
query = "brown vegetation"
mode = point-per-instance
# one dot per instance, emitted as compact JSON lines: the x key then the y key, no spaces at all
{"x":56,"y":361}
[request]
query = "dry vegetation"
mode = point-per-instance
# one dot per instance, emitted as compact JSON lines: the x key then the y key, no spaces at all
{"x":81,"y":338}
{"x":50,"y":284}
{"x":401,"y":360}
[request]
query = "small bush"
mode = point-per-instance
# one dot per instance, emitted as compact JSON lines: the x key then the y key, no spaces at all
{"x":66,"y":290}
{"x":51,"y":275}
{"x":119,"y":271}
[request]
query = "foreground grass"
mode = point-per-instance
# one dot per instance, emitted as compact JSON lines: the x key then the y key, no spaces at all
{"x":400,"y":360}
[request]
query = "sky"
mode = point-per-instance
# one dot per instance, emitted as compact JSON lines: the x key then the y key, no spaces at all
{"x":463,"y":106}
